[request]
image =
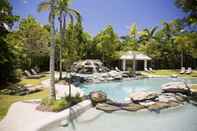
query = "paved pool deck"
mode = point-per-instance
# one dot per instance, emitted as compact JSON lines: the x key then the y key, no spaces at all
{"x":23,"y":116}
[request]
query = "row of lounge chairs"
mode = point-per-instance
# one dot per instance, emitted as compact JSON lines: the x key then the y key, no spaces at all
{"x":184,"y":71}
{"x":148,"y":69}
{"x":33,"y":74}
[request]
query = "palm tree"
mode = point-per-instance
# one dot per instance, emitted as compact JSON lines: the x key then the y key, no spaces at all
{"x":64,"y":11}
{"x":61,"y":8}
{"x":148,"y":34}
{"x":50,"y":4}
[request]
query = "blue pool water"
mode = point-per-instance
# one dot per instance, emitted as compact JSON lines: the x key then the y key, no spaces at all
{"x":177,"y":119}
{"x":182,"y":118}
{"x":119,"y":90}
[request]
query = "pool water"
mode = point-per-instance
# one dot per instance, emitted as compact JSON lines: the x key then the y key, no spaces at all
{"x":177,"y":119}
{"x":119,"y":90}
{"x":182,"y":118}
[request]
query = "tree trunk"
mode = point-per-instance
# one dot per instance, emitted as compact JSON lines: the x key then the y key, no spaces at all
{"x":134,"y":64}
{"x":52,"y":94}
{"x":61,"y":43}
{"x":182,"y":59}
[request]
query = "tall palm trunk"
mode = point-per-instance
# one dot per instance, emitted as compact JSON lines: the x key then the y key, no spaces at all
{"x":61,"y":43}
{"x":134,"y":64}
{"x":182,"y":59}
{"x":62,"y":21}
{"x":52,"y":94}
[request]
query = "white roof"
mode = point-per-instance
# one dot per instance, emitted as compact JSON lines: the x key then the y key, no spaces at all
{"x":138,"y":56}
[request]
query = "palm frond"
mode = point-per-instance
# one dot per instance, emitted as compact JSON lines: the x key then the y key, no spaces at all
{"x":147,"y":31}
{"x":44,"y":6}
{"x":153,"y":30}
{"x":71,"y":19}
{"x":75,"y":13}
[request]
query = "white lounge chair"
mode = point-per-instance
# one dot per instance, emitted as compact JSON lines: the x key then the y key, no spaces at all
{"x":182,"y":70}
{"x":117,"y":69}
{"x":34,"y":72}
{"x":189,"y":70}
{"x":146,"y":69}
{"x":151,"y":69}
{"x":30,"y":76}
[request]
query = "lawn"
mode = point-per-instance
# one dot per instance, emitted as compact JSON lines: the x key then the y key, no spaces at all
{"x":32,"y":81}
{"x":194,"y":87}
{"x":170,"y":73}
{"x":7,"y":100}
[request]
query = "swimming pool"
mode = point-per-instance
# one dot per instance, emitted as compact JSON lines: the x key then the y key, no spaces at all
{"x":119,"y":90}
{"x":178,"y":119}
{"x":181,"y":118}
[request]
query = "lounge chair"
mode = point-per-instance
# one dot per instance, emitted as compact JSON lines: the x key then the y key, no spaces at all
{"x":34,"y":72}
{"x":31,"y":76}
{"x":182,"y":70}
{"x":146,"y":69}
{"x":151,"y":69}
{"x":189,"y":70}
{"x":116,"y":68}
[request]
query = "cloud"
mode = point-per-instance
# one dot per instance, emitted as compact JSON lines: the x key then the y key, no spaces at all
{"x":24,"y":1}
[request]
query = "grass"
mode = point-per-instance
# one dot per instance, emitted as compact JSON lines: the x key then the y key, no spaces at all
{"x":7,"y":100}
{"x":32,"y":81}
{"x":194,"y":87}
{"x":170,"y":73}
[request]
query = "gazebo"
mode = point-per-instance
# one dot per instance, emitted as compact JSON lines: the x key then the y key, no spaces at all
{"x":134,"y":56}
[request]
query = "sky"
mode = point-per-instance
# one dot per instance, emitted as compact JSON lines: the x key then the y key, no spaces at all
{"x":121,"y":14}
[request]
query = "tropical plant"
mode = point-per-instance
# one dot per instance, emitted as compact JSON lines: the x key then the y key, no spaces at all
{"x":7,"y":52}
{"x":63,"y":11}
{"x":148,"y":34}
{"x":188,"y":6}
{"x":107,"y":44}
{"x":51,"y":4}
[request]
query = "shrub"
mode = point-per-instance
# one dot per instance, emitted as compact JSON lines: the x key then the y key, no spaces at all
{"x":18,"y":74}
{"x":53,"y":105}
{"x":59,"y":105}
{"x":74,"y":100}
{"x":14,"y":89}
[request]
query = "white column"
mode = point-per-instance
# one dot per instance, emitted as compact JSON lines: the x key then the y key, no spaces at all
{"x":145,"y":64}
{"x":123,"y":64}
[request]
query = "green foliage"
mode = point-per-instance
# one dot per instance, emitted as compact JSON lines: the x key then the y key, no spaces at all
{"x":7,"y":54}
{"x":58,"y":105}
{"x":74,"y":100}
{"x":107,"y":45}
{"x":189,"y":6}
{"x":30,"y":44}
{"x":55,"y":105}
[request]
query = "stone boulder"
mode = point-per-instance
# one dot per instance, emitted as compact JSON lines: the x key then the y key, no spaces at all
{"x":175,"y":87}
{"x":133,"y":107}
{"x":98,"y":97}
{"x":88,"y":66}
{"x":158,"y":106}
{"x":147,"y":103}
{"x":107,"y":108}
{"x":142,"y":96}
{"x":166,"y":97}
{"x":115,"y":75}
{"x":162,"y":105}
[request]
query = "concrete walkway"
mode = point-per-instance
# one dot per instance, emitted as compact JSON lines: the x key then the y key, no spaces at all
{"x":62,"y":90}
{"x":24,"y":116}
